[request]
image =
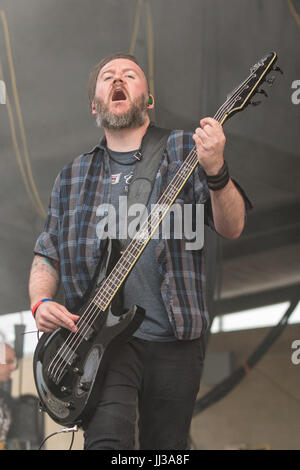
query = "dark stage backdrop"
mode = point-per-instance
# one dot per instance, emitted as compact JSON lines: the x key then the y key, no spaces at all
{"x":195,"y":52}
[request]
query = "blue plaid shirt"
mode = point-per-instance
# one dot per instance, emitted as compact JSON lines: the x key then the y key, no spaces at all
{"x":70,"y":237}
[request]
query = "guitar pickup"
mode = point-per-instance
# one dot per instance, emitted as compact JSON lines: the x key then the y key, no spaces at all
{"x":68,"y":355}
{"x":86,"y":331}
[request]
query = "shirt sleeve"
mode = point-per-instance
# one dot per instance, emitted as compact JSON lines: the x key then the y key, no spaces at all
{"x":47,"y":243}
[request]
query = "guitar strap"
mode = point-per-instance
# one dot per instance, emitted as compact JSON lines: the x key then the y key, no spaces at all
{"x":153,"y":145}
{"x":141,"y":184}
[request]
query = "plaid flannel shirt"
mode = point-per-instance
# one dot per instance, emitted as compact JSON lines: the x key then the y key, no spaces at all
{"x":70,"y":237}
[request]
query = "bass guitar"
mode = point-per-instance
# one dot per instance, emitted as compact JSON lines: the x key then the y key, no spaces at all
{"x":69,"y":368}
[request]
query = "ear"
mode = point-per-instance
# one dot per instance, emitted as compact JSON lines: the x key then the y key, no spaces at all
{"x":93,"y":108}
{"x":150,"y":102}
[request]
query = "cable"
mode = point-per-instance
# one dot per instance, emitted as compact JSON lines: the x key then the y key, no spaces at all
{"x":135,"y":27}
{"x":150,"y":43}
{"x":72,"y":430}
{"x":30,"y":185}
{"x":294,"y":11}
{"x":17,"y":148}
{"x":72,"y":440}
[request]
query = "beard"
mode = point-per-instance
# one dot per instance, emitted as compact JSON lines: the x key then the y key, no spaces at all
{"x":134,"y":117}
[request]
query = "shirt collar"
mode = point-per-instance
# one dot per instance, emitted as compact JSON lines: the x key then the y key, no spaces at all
{"x":100,"y":146}
{"x":102,"y":142}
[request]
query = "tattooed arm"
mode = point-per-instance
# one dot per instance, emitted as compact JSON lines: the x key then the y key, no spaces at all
{"x":44,"y":279}
{"x":43,"y":283}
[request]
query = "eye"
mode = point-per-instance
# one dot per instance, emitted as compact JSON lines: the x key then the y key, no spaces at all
{"x":107,"y":78}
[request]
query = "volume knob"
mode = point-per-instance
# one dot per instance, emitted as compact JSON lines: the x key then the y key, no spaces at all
{"x":64,"y":389}
{"x":69,"y":405}
{"x":85,"y":386}
{"x":78,"y":371}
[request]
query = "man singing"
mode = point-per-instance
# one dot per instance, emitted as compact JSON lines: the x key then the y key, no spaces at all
{"x":157,"y":371}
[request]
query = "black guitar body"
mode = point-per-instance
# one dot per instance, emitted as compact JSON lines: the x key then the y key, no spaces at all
{"x":69,"y":368}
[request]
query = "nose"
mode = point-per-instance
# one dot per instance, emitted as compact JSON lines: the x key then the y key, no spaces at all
{"x":118,"y":80}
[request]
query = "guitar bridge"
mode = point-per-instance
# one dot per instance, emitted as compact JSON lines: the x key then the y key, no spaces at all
{"x":66,"y":358}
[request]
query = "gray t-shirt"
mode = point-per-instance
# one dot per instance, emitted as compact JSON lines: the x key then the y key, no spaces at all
{"x":142,"y":286}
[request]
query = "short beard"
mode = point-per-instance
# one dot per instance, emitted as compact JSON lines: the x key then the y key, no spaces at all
{"x":134,"y":117}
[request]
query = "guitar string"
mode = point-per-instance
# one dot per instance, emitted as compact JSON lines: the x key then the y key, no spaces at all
{"x":220,"y":114}
{"x":222,"y":110}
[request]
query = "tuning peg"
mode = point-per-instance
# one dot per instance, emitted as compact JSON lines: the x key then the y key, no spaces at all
{"x":278,"y":69}
{"x":254,"y":103}
{"x":262,"y":92}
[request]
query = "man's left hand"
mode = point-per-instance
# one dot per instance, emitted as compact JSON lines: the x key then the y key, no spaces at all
{"x":210,"y":142}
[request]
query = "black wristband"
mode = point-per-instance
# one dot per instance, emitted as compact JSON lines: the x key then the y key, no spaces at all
{"x":221,"y":185}
{"x":219,"y":175}
{"x":218,"y":181}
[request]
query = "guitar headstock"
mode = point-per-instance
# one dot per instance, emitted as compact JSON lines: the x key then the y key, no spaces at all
{"x":242,"y":96}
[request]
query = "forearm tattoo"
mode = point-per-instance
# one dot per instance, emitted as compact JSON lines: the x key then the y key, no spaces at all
{"x":42,"y":264}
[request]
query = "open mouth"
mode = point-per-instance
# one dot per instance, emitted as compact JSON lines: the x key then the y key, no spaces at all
{"x":118,"y":95}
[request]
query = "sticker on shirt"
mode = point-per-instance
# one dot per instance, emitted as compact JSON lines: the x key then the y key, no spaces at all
{"x":115,"y":178}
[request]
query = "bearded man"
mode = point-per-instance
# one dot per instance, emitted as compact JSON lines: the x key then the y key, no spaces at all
{"x":157,"y":371}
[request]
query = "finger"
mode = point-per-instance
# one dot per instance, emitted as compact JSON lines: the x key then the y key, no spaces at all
{"x":204,"y":140}
{"x":45,"y":325}
{"x":213,"y":133}
{"x":201,"y":134}
{"x":62,"y":314}
{"x":198,"y":141}
{"x":210,"y":122}
{"x":51,"y":314}
{"x":46,"y":321}
{"x":211,"y":127}
{"x":63,"y":309}
{"x":47,"y":328}
{"x":208,"y":130}
{"x":63,"y":319}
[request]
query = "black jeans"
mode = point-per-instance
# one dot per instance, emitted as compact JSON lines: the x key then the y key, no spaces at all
{"x":160,"y":380}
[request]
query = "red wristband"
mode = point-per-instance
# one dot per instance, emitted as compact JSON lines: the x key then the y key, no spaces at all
{"x":36,"y":306}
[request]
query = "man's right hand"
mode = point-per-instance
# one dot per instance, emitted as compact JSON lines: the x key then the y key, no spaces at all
{"x":51,"y":315}
{"x":43,"y":284}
